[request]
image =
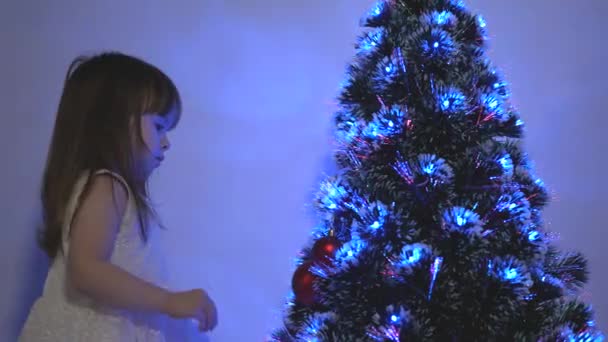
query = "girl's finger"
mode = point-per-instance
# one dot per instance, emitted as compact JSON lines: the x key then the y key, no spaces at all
{"x":209,"y":319}
{"x":202,"y":321}
{"x":214,"y":316}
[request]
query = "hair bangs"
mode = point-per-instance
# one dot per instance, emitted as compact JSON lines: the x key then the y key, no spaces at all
{"x":162,"y":97}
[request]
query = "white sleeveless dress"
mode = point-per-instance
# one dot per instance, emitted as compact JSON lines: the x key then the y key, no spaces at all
{"x":62,"y":314}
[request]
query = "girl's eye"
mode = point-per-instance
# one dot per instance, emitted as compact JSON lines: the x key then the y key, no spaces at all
{"x":159,"y":127}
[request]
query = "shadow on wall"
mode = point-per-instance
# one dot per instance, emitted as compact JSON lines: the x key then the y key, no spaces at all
{"x":32,"y":278}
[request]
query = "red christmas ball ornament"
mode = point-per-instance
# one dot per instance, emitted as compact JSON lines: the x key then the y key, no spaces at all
{"x":324,"y":250}
{"x":302,"y":284}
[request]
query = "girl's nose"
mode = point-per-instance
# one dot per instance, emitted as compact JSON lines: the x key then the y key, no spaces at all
{"x":165,"y":143}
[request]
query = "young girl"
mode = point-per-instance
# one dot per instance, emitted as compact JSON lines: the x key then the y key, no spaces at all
{"x":106,"y":281}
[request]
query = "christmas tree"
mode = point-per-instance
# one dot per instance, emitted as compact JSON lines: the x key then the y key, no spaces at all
{"x":431,"y":230}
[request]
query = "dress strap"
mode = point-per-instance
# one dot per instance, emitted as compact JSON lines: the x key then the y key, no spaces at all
{"x":76,"y":198}
{"x":115,"y":176}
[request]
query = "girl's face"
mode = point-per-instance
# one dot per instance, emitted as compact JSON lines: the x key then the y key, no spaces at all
{"x":154,"y":129}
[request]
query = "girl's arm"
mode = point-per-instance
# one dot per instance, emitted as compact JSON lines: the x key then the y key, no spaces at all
{"x":92,"y":235}
{"x":93,"y":232}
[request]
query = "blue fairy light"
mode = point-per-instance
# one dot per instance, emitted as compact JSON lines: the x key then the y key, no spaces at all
{"x":394,"y":113}
{"x":509,"y":269}
{"x":442,"y":18}
{"x":387,"y":68}
{"x":371,"y":40}
{"x":452,"y":101}
{"x":519,"y":122}
{"x":585,"y":336}
{"x":435,"y":167}
{"x":334,"y":194}
{"x":533,"y":235}
{"x":462,"y":219}
{"x":493,"y":104}
{"x":517,"y":205}
{"x":386,"y":71}
{"x":390,"y":328}
{"x":312,"y":328}
{"x":375,"y":215}
{"x":491,"y":101}
{"x":437,"y":44}
{"x":377,"y":9}
{"x":510,"y":273}
{"x":372,"y":130}
{"x":506,"y":163}
{"x":350,"y":250}
{"x":411,"y":254}
{"x":331,"y":194}
{"x":429,"y":168}
{"x":458,"y":3}
{"x":481,"y":21}
{"x":396,"y":315}
{"x":414,"y":257}
{"x":386,"y":123}
{"x":501,"y":88}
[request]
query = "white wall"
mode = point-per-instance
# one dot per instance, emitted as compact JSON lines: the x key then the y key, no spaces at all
{"x":258,"y":79}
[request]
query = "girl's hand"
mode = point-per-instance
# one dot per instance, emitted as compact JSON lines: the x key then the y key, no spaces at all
{"x":193,"y":304}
